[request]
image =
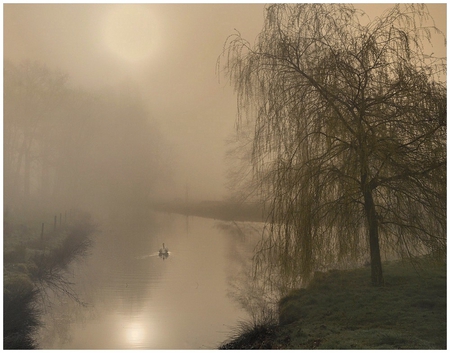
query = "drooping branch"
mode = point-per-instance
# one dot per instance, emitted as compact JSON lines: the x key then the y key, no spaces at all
{"x":343,"y":113}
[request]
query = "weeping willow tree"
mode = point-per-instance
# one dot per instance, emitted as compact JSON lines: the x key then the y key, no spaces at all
{"x":349,"y":141}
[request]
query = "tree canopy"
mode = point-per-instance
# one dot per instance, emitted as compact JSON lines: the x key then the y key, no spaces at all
{"x":349,"y":141}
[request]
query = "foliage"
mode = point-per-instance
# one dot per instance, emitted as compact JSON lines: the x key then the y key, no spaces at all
{"x":252,"y":337}
{"x":349,"y":141}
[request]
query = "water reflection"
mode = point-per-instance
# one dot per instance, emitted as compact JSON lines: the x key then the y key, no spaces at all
{"x":250,"y":292}
{"x":136,"y":332}
{"x":139,"y":301}
{"x":163,"y":255}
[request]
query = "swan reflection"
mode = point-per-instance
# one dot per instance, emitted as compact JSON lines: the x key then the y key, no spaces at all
{"x":164,"y":255}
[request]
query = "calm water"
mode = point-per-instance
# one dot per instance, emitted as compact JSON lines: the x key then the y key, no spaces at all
{"x":136,"y":300}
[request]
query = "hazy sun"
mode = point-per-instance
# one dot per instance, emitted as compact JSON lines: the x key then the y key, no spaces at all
{"x":130,"y":32}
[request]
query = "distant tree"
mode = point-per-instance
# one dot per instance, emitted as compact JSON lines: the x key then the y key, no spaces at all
{"x":32,"y":95}
{"x":67,"y":147}
{"x":349,"y":139}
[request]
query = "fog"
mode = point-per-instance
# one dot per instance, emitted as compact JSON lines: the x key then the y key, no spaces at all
{"x":110,"y":109}
{"x":166,"y":53}
{"x":162,"y":55}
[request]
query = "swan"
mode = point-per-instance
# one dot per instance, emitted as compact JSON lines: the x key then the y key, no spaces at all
{"x":163,"y":250}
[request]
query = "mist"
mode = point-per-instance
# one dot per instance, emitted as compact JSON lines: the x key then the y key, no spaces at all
{"x":126,"y":128}
{"x":110,"y":110}
{"x":163,"y":55}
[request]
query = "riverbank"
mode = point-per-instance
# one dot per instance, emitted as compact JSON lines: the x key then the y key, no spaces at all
{"x":222,"y":210}
{"x":342,"y":310}
{"x":35,"y":262}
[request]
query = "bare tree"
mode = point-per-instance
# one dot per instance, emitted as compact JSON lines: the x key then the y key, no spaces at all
{"x":349,"y":139}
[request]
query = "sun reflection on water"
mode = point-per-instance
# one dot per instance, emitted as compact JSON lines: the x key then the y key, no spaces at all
{"x":137,"y":334}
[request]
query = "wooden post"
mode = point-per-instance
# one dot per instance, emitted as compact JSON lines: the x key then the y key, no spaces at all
{"x":60,"y":215}
{"x":42,"y":232}
{"x":54,"y":224}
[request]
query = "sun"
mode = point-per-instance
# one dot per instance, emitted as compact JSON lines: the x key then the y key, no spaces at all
{"x":130,"y":32}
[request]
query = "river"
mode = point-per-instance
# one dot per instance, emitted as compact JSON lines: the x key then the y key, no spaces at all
{"x":134,"y":299}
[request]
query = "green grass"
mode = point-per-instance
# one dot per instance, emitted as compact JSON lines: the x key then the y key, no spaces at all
{"x":342,"y":310}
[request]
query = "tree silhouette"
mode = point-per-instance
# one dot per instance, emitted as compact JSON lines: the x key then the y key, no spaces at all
{"x":349,"y":142}
{"x":32,"y":94}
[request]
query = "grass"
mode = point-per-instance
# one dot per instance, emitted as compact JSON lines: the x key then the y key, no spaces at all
{"x":28,"y":270}
{"x":342,"y":310}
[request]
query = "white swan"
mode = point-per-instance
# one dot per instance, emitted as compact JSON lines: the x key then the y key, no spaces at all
{"x":163,"y":250}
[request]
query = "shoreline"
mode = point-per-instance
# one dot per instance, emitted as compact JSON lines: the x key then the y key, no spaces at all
{"x":342,"y":310}
{"x":31,"y":267}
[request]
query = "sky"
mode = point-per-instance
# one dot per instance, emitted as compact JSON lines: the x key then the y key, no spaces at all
{"x":169,"y":51}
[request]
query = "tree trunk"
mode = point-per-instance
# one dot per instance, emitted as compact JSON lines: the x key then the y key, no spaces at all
{"x":375,"y":256}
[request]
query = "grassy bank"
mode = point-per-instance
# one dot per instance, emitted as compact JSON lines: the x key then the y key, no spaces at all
{"x":32,"y":264}
{"x":342,"y":310}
